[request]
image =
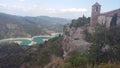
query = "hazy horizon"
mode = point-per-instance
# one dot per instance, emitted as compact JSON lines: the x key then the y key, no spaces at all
{"x":69,"y":9}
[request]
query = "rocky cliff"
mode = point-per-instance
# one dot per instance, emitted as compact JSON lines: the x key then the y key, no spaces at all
{"x":73,"y":38}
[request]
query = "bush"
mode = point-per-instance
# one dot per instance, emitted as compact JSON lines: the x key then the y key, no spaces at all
{"x":109,"y":65}
{"x":66,"y":65}
{"x":80,"y":22}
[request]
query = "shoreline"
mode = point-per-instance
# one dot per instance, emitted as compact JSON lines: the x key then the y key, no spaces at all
{"x":30,"y":39}
{"x":16,"y":39}
{"x":52,"y":34}
{"x":41,"y":36}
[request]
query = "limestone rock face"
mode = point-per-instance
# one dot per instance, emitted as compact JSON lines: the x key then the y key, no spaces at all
{"x":74,"y":39}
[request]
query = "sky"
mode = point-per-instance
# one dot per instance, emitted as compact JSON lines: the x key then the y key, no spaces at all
{"x":70,"y":9}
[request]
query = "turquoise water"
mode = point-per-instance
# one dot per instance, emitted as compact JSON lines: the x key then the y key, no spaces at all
{"x":38,"y":40}
{"x":27,"y":42}
{"x":23,"y":41}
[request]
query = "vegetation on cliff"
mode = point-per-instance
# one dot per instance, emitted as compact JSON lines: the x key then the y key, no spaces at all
{"x":44,"y":53}
{"x":81,"y":21}
{"x":12,"y":55}
{"x":103,"y":51}
{"x":37,"y":56}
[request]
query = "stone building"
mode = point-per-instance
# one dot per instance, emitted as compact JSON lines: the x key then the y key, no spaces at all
{"x":103,"y":18}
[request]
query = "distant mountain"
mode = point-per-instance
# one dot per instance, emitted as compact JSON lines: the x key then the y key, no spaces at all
{"x":47,"y":20}
{"x":18,"y":26}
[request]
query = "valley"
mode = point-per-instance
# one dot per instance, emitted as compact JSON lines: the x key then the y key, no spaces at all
{"x":12,"y":26}
{"x":29,"y":30}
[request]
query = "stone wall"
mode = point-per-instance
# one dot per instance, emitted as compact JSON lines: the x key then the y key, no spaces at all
{"x":106,"y":20}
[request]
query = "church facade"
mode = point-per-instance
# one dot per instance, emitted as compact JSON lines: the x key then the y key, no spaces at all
{"x":103,"y":18}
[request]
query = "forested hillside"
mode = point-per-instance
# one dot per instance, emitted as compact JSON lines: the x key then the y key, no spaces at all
{"x":17,"y":26}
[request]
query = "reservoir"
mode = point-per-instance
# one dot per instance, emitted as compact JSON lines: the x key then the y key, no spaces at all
{"x":29,"y":41}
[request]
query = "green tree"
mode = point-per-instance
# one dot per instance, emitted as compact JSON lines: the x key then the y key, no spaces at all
{"x":105,"y":45}
{"x":113,"y":22}
{"x":81,"y":21}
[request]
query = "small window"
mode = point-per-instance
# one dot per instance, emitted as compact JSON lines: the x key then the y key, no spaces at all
{"x":97,"y":9}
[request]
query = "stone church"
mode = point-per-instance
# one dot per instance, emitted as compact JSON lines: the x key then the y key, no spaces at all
{"x":103,"y":18}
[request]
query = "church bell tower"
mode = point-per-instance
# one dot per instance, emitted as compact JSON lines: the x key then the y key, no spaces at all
{"x":96,"y":8}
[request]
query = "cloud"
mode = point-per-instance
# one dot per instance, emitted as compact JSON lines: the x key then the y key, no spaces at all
{"x":3,"y":5}
{"x":36,"y":10}
{"x":21,"y":0}
{"x":74,"y":10}
{"x":68,"y":10}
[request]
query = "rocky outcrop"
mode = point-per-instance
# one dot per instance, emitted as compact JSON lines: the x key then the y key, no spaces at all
{"x":73,"y":39}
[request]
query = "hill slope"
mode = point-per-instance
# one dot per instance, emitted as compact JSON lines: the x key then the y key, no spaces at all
{"x":18,"y":26}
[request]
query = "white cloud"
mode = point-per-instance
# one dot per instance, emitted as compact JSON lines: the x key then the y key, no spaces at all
{"x":68,"y":10}
{"x":21,"y":0}
{"x":34,"y":6}
{"x":3,"y":5}
{"x":74,"y":10}
{"x":36,"y":10}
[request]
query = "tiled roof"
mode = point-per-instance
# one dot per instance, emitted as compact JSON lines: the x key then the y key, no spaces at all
{"x":111,"y":13}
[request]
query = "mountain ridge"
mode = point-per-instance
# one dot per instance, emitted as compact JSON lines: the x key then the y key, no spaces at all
{"x":12,"y":26}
